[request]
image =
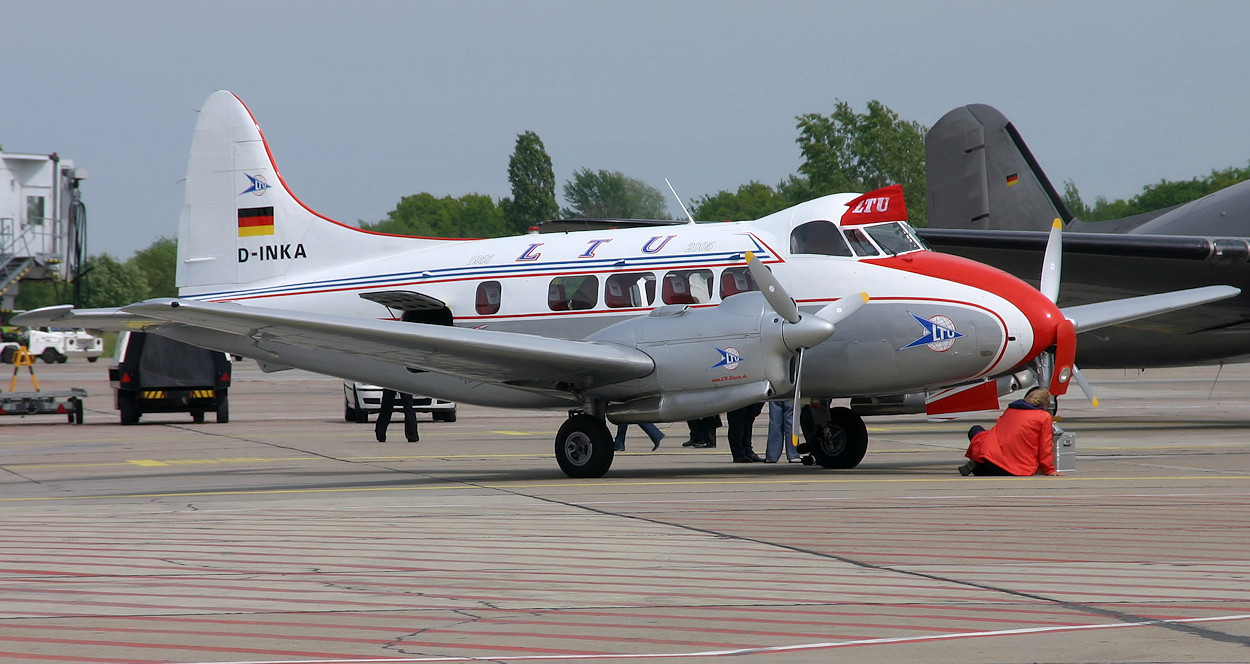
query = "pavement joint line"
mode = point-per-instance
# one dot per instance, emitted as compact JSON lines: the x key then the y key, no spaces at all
{"x":826,"y":645}
{"x":453,"y":485}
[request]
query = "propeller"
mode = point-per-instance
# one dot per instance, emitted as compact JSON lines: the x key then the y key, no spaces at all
{"x":803,"y":331}
{"x":1062,"y":364}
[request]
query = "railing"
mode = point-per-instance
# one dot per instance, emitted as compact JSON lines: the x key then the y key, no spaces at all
{"x":42,"y":240}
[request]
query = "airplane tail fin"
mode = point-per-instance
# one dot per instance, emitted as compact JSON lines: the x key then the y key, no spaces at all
{"x":241,"y":227}
{"x":982,"y":176}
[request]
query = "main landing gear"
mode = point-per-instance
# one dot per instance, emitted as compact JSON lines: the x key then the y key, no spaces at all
{"x":584,"y":446}
{"x":834,"y":437}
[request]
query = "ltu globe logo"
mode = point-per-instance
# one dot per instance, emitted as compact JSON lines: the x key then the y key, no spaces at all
{"x":944,"y":333}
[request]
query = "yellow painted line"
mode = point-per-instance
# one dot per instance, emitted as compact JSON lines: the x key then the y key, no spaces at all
{"x":515,"y":433}
{"x":576,"y":484}
{"x":147,"y":462}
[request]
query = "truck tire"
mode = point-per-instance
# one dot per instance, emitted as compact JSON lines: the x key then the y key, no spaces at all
{"x":128,"y":404}
{"x":49,"y":355}
{"x":223,"y":407}
{"x":7,"y":354}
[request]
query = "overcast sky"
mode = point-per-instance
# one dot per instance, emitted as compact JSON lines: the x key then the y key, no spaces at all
{"x":366,"y":102}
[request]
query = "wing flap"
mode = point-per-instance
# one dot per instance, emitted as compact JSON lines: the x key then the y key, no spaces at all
{"x":506,"y":358}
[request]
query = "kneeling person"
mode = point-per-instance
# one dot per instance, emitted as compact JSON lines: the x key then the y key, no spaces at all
{"x":1021,"y":442}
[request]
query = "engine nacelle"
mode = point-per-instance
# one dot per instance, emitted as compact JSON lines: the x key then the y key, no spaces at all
{"x":707,"y":360}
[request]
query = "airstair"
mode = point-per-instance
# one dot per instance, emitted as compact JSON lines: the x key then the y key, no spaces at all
{"x":42,"y":221}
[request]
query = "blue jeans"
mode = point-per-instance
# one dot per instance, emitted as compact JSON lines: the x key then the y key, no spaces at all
{"x":780,"y":427}
{"x":653,"y":432}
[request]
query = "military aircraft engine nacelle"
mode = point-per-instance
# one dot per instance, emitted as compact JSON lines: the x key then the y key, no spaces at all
{"x":707,"y":360}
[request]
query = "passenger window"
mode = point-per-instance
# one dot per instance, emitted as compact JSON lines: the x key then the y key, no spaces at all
{"x":687,"y":287}
{"x":818,"y":237}
{"x":629,"y":290}
{"x":736,"y":280}
{"x":488,"y":298}
{"x":573,"y":293}
{"x":863,"y":247}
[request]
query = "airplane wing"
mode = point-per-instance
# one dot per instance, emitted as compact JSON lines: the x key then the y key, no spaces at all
{"x":505,"y":358}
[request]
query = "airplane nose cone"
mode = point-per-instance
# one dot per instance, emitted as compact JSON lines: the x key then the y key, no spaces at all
{"x":808,"y":332}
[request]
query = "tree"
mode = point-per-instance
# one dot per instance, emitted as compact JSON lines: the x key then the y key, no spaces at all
{"x":751,"y":201}
{"x":847,"y":151}
{"x":610,"y":195}
{"x":1154,"y":197}
{"x":533,"y":185}
{"x":471,"y":215}
{"x":110,"y":283}
{"x":159,"y":264}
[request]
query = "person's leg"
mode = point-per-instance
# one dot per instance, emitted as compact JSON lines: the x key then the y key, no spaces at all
{"x":776,"y":433}
{"x":653,"y":432}
{"x":619,"y":443}
{"x":384,"y":415}
{"x":410,"y":418}
{"x":989,"y":469}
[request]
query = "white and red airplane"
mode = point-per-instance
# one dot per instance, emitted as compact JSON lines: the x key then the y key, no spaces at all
{"x":647,"y":324}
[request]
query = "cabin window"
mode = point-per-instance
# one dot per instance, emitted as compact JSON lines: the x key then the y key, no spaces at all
{"x":629,"y":290}
{"x":736,"y":280}
{"x":863,"y":246}
{"x":893,"y":238}
{"x":818,"y":237}
{"x":573,"y":293}
{"x":488,"y":298}
{"x":687,"y":286}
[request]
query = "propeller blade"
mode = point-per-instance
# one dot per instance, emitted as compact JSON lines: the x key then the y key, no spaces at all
{"x":777,"y":297}
{"x":842,"y":309}
{"x":1084,"y":385}
{"x":1052,"y":262}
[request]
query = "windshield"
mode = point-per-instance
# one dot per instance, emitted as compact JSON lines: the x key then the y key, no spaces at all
{"x":894,"y":238}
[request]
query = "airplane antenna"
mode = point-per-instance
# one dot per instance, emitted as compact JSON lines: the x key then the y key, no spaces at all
{"x":683,"y":205}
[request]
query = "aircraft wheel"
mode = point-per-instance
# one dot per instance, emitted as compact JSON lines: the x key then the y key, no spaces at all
{"x":584,"y":447}
{"x":842,"y":442}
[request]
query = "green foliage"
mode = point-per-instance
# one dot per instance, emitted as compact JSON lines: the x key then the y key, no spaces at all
{"x":752,"y":201}
{"x":1165,"y":194}
{"x":848,"y":151}
{"x":610,"y":195}
{"x":108,"y":282}
{"x":471,"y":215}
{"x":159,"y":263}
{"x":533,"y":185}
{"x":37,"y":294}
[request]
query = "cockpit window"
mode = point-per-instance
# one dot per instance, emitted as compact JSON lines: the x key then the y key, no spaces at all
{"x":818,"y":237}
{"x":860,"y":242}
{"x":893,"y":238}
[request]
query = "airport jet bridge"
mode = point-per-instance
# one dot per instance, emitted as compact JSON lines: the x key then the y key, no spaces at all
{"x":42,"y":221}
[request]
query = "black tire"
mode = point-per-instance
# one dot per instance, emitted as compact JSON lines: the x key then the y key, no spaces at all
{"x":49,"y":355}
{"x":349,"y":414}
{"x":197,"y":416}
{"x":584,"y":447}
{"x":842,"y":442}
{"x":7,"y":354}
{"x":61,"y":359}
{"x":78,"y":411}
{"x":445,"y":416}
{"x":223,"y":407}
{"x":128,"y":404}
{"x":92,"y":359}
{"x":362,"y":416}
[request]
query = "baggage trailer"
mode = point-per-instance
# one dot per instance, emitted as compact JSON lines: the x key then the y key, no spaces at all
{"x":64,"y":402}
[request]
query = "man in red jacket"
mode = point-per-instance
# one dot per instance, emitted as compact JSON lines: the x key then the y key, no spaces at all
{"x":1020,"y":443}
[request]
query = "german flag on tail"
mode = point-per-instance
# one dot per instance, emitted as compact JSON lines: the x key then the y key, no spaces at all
{"x":255,"y":221}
